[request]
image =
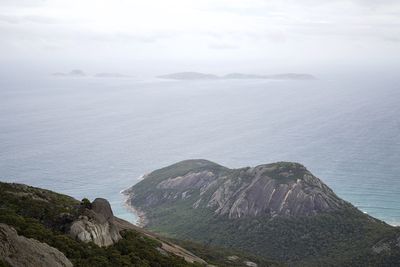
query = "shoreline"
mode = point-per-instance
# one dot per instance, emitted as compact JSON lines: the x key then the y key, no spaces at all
{"x":142,"y":220}
{"x":141,"y":216}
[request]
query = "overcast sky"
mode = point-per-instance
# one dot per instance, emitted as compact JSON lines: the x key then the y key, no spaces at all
{"x":206,"y":35}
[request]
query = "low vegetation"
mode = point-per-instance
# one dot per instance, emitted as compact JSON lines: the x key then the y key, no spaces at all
{"x":43,"y":215}
{"x":224,"y":257}
{"x":343,"y":238}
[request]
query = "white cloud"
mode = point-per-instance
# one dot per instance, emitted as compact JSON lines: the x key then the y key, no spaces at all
{"x":222,"y":46}
{"x":278,"y":32}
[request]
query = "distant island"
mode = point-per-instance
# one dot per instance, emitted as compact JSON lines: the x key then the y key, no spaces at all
{"x":72,"y":73}
{"x":206,"y":76}
{"x":282,"y":76}
{"x":189,"y":76}
{"x":111,"y":75}
{"x":80,"y":73}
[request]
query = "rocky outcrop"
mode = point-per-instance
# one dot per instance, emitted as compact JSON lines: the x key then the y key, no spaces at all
{"x":18,"y":251}
{"x":282,"y":188}
{"x":387,"y":245}
{"x":274,"y":189}
{"x":96,"y":225}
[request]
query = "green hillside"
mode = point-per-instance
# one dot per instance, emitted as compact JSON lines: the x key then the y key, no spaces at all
{"x":204,"y":202}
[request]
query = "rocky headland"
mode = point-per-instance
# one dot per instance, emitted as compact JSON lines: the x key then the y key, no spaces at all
{"x":280,"y":211}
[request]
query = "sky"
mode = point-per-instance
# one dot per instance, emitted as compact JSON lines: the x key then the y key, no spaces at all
{"x":218,"y":36}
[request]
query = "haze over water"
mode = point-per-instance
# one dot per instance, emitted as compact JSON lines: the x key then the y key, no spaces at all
{"x":89,"y":137}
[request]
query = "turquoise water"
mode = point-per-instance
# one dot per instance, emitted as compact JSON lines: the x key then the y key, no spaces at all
{"x":94,"y":137}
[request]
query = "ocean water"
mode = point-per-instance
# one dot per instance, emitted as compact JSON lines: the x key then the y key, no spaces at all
{"x":90,"y":137}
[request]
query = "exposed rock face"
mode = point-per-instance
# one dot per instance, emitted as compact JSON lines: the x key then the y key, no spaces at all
{"x":387,"y":245}
{"x":102,"y":209}
{"x":274,"y":190}
{"x":250,"y":264}
{"x":96,"y":225}
{"x":18,"y":251}
{"x":283,"y":188}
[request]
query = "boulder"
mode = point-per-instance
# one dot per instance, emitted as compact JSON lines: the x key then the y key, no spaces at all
{"x":96,"y":225}
{"x":17,"y":250}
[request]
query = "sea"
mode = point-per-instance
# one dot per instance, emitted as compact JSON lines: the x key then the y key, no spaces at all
{"x":93,"y":137}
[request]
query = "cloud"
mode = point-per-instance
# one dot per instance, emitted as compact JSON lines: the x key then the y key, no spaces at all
{"x":374,"y":3}
{"x":28,"y":19}
{"x":223,"y":46}
{"x":22,"y":3}
{"x":395,"y":39}
{"x":274,"y":31}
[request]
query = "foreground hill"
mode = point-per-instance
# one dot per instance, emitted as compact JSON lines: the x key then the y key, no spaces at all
{"x":279,"y":211}
{"x":42,"y":228}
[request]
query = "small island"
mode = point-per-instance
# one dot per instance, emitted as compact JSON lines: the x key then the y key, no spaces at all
{"x":189,"y":76}
{"x":237,"y":76}
{"x":111,"y":75}
{"x":72,"y":73}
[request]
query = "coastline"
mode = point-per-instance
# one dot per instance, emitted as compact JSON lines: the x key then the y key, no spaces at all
{"x":142,"y":220}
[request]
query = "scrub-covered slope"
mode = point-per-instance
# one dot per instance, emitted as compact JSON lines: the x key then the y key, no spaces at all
{"x":56,"y":228}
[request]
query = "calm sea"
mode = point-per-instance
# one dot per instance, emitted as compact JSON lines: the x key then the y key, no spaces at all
{"x":92,"y":137}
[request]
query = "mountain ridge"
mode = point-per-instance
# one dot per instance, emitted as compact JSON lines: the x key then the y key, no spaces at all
{"x":282,"y":181}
